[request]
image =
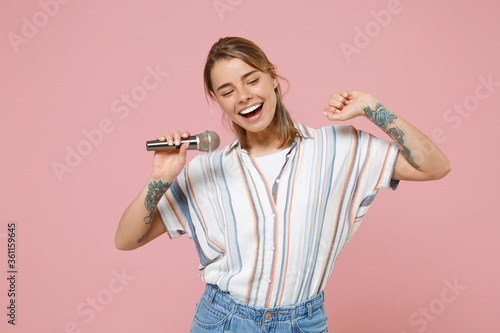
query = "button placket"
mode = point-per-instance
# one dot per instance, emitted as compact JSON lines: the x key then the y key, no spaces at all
{"x":268,"y":255}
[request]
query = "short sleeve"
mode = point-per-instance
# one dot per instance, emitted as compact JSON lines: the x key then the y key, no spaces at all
{"x":173,"y":209}
{"x":377,"y":160}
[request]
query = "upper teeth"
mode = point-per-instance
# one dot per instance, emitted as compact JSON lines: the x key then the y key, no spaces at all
{"x":250,"y":109}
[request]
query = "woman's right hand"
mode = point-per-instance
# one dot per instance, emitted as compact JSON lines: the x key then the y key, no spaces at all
{"x":168,"y":164}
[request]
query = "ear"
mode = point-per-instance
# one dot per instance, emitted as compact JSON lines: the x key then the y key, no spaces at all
{"x":275,"y":83}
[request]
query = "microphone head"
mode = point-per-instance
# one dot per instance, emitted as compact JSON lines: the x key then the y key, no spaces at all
{"x":208,"y":141}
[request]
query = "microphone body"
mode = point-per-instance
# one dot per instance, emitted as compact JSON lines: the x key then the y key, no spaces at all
{"x":205,"y":141}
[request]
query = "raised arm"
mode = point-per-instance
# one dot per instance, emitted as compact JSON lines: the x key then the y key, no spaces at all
{"x":420,"y":159}
{"x":140,"y":222}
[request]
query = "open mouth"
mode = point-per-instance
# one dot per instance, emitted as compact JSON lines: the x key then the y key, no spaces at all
{"x":251,"y":111}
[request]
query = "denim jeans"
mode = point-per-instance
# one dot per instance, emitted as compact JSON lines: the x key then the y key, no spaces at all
{"x":217,"y":311}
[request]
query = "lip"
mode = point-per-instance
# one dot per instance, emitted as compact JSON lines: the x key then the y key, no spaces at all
{"x":248,"y":107}
{"x":254,"y":117}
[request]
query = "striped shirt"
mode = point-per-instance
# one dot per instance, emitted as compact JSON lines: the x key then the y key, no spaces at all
{"x":275,"y":244}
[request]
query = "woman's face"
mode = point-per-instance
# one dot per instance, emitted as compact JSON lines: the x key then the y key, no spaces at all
{"x":244,"y":93}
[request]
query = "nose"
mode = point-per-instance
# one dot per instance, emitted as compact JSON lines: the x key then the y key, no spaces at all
{"x":244,"y":95}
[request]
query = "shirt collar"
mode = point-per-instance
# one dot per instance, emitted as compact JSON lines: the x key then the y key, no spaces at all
{"x":304,"y":131}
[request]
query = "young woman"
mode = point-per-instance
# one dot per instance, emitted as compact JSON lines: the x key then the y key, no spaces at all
{"x":270,"y":213}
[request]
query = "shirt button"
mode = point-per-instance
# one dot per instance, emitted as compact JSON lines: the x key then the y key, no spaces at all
{"x":277,"y":180}
{"x":268,"y":281}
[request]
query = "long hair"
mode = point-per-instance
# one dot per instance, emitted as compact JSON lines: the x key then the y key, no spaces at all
{"x":248,"y":52}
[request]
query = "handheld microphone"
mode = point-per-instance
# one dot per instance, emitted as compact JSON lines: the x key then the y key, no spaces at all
{"x":205,"y":141}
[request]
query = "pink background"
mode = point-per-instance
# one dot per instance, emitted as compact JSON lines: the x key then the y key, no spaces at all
{"x":67,"y":77}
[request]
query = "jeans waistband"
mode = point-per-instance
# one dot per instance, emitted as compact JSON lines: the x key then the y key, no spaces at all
{"x":217,"y":298}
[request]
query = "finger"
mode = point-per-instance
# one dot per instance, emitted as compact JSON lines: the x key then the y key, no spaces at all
{"x":177,"y":137}
{"x":346,"y":94}
{"x":332,"y":109}
{"x":185,"y":134}
{"x":335,"y":103}
{"x":333,"y":114}
{"x":169,"y":138}
{"x":183,"y":152}
{"x":329,"y":114}
{"x":336,"y":96}
{"x":160,"y":138}
{"x":183,"y":148}
{"x":342,"y":98}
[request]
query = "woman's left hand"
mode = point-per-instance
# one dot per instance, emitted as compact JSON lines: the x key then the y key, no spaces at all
{"x":349,"y":104}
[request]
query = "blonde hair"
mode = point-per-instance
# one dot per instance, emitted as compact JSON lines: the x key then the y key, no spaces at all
{"x":248,"y":52}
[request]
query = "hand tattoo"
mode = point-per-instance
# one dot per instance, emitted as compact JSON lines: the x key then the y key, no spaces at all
{"x":155,"y":191}
{"x":383,"y":118}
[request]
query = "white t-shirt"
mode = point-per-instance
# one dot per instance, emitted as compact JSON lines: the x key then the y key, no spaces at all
{"x":271,"y":165}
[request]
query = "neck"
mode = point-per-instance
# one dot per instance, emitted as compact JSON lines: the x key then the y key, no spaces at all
{"x":263,"y":143}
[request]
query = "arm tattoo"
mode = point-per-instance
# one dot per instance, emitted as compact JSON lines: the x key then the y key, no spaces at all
{"x":383,"y":118}
{"x":155,"y":191}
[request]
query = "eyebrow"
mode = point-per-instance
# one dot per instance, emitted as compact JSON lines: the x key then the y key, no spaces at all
{"x":244,"y":76}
